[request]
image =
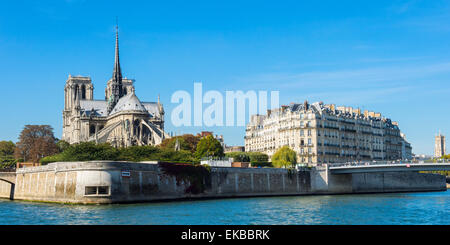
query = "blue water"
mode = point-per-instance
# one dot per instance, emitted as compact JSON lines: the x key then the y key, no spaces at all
{"x":431,"y":208}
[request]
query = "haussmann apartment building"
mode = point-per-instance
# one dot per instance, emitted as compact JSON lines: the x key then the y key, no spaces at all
{"x":327,"y":134}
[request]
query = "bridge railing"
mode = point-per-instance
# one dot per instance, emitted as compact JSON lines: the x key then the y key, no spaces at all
{"x":367,"y":163}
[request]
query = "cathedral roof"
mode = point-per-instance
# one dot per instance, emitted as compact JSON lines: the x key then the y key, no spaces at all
{"x":129,"y":102}
{"x":152,"y":108}
{"x":94,"y":107}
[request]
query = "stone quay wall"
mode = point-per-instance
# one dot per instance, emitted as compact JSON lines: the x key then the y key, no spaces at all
{"x":121,"y":182}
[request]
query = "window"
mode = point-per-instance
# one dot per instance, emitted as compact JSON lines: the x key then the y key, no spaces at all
{"x":302,"y":133}
{"x":103,"y":190}
{"x":309,"y":132}
{"x":90,"y":190}
{"x":91,"y":130}
{"x":96,"y":191}
{"x":83,"y":92}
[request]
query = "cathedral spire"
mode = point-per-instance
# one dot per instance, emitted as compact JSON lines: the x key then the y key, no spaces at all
{"x":116,"y":81}
{"x":117,"y":73}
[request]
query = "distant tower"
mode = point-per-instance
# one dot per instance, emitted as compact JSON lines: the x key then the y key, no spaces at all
{"x":439,"y":146}
{"x":116,"y":84}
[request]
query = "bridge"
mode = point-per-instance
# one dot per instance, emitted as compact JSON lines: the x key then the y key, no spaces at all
{"x":9,"y":176}
{"x":373,"y":167}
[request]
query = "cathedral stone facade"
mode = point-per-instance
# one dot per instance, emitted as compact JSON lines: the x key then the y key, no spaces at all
{"x":121,"y":119}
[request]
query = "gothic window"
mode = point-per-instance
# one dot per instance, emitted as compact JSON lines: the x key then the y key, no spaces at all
{"x":83,"y":92}
{"x":76,"y":92}
{"x":91,"y":130}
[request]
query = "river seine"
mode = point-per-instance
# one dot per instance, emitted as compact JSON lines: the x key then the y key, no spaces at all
{"x":431,"y":208}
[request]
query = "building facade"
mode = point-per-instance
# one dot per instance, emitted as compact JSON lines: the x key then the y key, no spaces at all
{"x":327,"y":134}
{"x":228,"y":149}
{"x":439,"y":146}
{"x":120,"y":119}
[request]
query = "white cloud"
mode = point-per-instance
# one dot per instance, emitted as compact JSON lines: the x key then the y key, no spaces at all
{"x":365,"y":77}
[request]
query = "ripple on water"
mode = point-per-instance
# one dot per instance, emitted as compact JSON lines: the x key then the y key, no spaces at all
{"x":377,"y":209}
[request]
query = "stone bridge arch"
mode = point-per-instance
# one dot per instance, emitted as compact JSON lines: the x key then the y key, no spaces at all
{"x":7,"y":179}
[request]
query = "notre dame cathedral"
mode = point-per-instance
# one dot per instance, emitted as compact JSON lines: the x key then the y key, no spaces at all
{"x":121,"y":119}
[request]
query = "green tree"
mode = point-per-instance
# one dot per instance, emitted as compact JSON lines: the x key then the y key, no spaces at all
{"x":7,"y":148}
{"x":285,"y":157}
{"x":62,"y":145}
{"x":187,"y":142}
{"x":258,"y":157}
{"x":7,"y":154}
{"x":209,"y":147}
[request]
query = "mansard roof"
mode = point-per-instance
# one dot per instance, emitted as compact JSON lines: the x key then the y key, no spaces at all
{"x":316,"y":107}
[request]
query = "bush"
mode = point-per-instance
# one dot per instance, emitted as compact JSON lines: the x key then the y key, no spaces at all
{"x":252,"y":157}
{"x":258,"y":157}
{"x":62,"y":145}
{"x":239,"y":156}
{"x":50,"y":159}
{"x":138,"y":153}
{"x":84,"y":151}
{"x":89,"y":151}
{"x":7,"y":162}
{"x":175,"y":156}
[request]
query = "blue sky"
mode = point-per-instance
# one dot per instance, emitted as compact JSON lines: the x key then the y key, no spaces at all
{"x":387,"y":56}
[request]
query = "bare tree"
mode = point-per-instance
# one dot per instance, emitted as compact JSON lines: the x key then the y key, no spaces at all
{"x":36,"y":142}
